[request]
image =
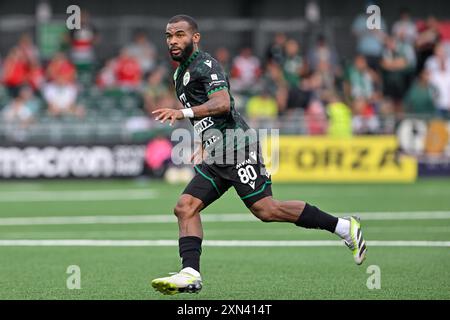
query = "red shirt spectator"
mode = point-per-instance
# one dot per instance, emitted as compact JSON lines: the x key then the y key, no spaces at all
{"x":60,"y":65}
{"x":128,"y":71}
{"x":15,"y":69}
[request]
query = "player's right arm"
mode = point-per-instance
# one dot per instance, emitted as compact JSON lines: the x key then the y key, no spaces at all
{"x":218,"y":104}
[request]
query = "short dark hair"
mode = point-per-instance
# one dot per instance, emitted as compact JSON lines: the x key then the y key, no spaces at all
{"x":183,"y":17}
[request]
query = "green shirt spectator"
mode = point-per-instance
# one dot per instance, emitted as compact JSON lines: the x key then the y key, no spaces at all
{"x":419,"y":98}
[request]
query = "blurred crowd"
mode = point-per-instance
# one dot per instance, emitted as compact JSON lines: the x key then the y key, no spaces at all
{"x":397,"y":70}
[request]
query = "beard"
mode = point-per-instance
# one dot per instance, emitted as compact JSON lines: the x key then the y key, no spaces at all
{"x":185,"y":53}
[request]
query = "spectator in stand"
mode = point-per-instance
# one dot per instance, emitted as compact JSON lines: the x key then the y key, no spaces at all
{"x":369,"y":41}
{"x":275,"y":83}
{"x":23,"y":67}
{"x":322,"y":80}
{"x":440,"y":80}
{"x":302,"y":94}
{"x":245,"y":71}
{"x":28,"y":49}
{"x":15,"y":71}
{"x":22,"y":109}
{"x":144,"y":51}
{"x":106,"y":78}
{"x":419,"y":98}
{"x":60,"y":65}
{"x":293,"y":64}
{"x":438,"y":58}
{"x":405,"y":27}
{"x":222,"y":56}
{"x":82,"y":42}
{"x":262,"y":106}
{"x":339,"y":117}
{"x":275,"y":51}
{"x":322,"y":54}
{"x":61,"y":98}
{"x":360,"y":80}
{"x":156,"y":93}
{"x":128,"y":72}
{"x":362,"y":90}
{"x":397,"y":65}
{"x":428,"y":37}
{"x":365,"y":119}
{"x":36,"y":76}
{"x":316,"y":118}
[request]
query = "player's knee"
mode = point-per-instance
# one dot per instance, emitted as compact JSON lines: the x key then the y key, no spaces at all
{"x":185,"y":208}
{"x":266,"y":212}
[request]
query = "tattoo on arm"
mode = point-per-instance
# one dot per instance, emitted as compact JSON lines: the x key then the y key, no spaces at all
{"x":218,"y":103}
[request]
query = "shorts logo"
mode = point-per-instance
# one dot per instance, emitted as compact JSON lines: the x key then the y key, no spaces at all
{"x":186,"y":78}
{"x":208,"y":63}
{"x":214,"y":76}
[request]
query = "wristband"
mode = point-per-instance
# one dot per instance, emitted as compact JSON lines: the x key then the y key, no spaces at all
{"x":188,"y":113}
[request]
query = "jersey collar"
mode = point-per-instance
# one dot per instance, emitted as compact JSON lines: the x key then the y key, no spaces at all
{"x":185,"y":64}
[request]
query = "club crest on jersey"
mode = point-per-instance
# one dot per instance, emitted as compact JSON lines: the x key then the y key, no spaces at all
{"x":186,"y":78}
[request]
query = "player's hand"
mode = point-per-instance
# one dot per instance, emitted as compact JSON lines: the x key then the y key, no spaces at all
{"x":166,"y":114}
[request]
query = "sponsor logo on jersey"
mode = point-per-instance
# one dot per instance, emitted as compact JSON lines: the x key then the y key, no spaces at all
{"x":203,"y":124}
{"x":208,"y":63}
{"x":243,"y":163}
{"x":211,"y":140}
{"x":186,"y":78}
{"x":218,"y":82}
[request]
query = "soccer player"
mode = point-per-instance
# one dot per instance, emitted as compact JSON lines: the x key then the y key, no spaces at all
{"x":203,"y":89}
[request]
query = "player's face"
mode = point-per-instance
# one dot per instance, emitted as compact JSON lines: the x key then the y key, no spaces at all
{"x":180,"y":40}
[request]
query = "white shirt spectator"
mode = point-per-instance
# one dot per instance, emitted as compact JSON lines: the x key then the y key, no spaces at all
{"x":440,"y":80}
{"x":144,"y":51}
{"x":246,"y":67}
{"x":406,"y":30}
{"x":432,"y":63}
{"x":62,"y":97}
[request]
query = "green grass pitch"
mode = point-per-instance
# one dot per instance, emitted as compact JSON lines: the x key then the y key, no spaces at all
{"x":32,"y":272}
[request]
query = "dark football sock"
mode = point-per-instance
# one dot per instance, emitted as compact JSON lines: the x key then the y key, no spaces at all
{"x":314,"y":218}
{"x":190,"y":250}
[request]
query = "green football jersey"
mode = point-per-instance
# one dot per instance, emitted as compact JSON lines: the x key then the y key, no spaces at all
{"x":197,"y":78}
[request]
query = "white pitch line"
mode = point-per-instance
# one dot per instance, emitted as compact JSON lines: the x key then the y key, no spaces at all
{"x":76,"y":195}
{"x":224,"y":217}
{"x":211,"y":243}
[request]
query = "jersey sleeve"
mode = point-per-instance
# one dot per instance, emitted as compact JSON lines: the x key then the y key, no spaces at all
{"x":213,"y":77}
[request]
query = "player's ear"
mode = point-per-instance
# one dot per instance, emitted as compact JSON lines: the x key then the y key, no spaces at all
{"x":196,"y":37}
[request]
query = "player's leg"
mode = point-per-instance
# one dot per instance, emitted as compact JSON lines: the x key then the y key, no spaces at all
{"x":305,"y":215}
{"x":187,"y":211}
{"x":203,"y":189}
{"x":253,"y":184}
